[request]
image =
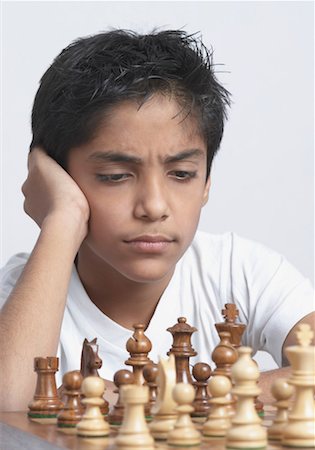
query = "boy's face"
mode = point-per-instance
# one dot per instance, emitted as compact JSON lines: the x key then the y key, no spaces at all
{"x":144,"y":176}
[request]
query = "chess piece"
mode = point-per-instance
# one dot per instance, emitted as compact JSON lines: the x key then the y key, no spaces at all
{"x":182,"y":349}
{"x":138,"y":346}
{"x":236,"y":329}
{"x":201,"y":372}
{"x":281,"y":391}
{"x":246,"y":430}
{"x":300,"y":429}
{"x":90,"y":365}
{"x":134,"y":432}
{"x":184,"y":433}
{"x":150,"y":372}
{"x":72,"y":412}
{"x":93,"y":424}
{"x":164,"y":412}
{"x":219,"y":419}
{"x":224,"y":355}
{"x":46,"y":403}
{"x":121,"y":378}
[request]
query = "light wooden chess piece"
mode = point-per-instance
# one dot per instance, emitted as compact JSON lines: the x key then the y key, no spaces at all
{"x":281,"y":391}
{"x":46,"y":403}
{"x":164,"y":411}
{"x":72,"y":412}
{"x":300,"y":429}
{"x":184,"y":433}
{"x":93,"y":424}
{"x":219,"y":419}
{"x":246,"y":430}
{"x":134,"y":432}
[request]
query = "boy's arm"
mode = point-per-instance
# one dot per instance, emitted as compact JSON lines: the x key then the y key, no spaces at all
{"x":30,"y":321}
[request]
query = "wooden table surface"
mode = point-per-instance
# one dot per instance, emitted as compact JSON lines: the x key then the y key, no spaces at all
{"x":19,"y":433}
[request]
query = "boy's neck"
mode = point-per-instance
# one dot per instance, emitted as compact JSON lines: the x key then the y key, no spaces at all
{"x":124,"y":301}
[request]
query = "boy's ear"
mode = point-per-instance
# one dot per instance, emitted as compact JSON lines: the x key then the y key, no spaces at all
{"x":206,"y":191}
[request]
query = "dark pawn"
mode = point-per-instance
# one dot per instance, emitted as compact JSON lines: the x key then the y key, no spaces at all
{"x":150,"y":373}
{"x":116,"y":413}
{"x":201,"y":372}
{"x":182,"y":349}
{"x":72,"y":412}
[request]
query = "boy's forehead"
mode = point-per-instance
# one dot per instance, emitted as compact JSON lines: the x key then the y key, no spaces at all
{"x":159,"y":115}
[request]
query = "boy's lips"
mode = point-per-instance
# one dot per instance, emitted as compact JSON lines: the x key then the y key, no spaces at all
{"x":154,"y":243}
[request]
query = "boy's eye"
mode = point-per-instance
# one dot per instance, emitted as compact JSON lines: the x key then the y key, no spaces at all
{"x":183,"y":174}
{"x":113,"y":177}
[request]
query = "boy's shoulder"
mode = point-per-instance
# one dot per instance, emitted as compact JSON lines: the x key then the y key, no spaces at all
{"x":10,"y":273}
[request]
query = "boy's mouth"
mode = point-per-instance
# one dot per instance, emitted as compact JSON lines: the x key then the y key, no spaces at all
{"x":154,"y":243}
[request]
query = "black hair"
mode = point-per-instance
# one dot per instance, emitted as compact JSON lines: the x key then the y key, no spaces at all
{"x":95,"y":73}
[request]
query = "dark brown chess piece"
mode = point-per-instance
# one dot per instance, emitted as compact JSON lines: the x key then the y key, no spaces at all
{"x":90,"y":364}
{"x":150,"y":373}
{"x":121,"y":378}
{"x":224,"y":355}
{"x":201,"y":372}
{"x":182,"y":349}
{"x":46,"y":403}
{"x":72,"y":412}
{"x":138,"y":346}
{"x":236,"y":329}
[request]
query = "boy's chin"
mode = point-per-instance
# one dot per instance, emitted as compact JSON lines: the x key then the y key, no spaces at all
{"x":147,"y":275}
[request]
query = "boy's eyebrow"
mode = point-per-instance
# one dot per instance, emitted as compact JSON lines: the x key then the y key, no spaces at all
{"x":194,"y":152}
{"x":113,"y":156}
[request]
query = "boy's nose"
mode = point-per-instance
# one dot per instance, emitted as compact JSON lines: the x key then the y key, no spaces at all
{"x":152,"y":201}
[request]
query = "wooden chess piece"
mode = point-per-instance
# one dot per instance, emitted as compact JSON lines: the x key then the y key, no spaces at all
{"x":138,"y":346}
{"x":150,"y":373}
{"x":281,"y":391}
{"x":121,"y":378}
{"x":236,"y":329}
{"x":164,"y":412}
{"x":46,"y":403}
{"x":134,"y":432}
{"x":201,"y":372}
{"x":90,"y":365}
{"x":184,"y":433}
{"x":182,"y":349}
{"x":219,"y":419}
{"x":300,"y":429}
{"x":72,"y":412}
{"x":93,"y":424}
{"x":246,"y":430}
{"x":224,"y":355}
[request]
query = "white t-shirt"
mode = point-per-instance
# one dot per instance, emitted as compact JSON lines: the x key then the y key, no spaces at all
{"x":270,"y":294}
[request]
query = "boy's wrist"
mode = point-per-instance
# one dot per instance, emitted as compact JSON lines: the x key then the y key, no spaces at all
{"x":71,"y":227}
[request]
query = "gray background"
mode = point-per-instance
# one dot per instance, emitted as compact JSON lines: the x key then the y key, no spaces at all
{"x":262,"y":179}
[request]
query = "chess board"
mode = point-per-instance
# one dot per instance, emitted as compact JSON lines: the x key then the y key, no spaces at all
{"x":19,"y":433}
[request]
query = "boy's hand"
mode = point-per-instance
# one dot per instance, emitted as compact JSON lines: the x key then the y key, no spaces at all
{"x":51,"y":192}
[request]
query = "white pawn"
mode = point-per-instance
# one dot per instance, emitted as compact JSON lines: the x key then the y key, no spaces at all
{"x":300,"y":429}
{"x":219,"y":418}
{"x":134,"y":432}
{"x":184,"y":432}
{"x":246,"y":430}
{"x":281,"y":391}
{"x":93,"y":424}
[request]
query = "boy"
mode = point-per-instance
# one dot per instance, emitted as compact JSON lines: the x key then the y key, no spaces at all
{"x":125,"y":128}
